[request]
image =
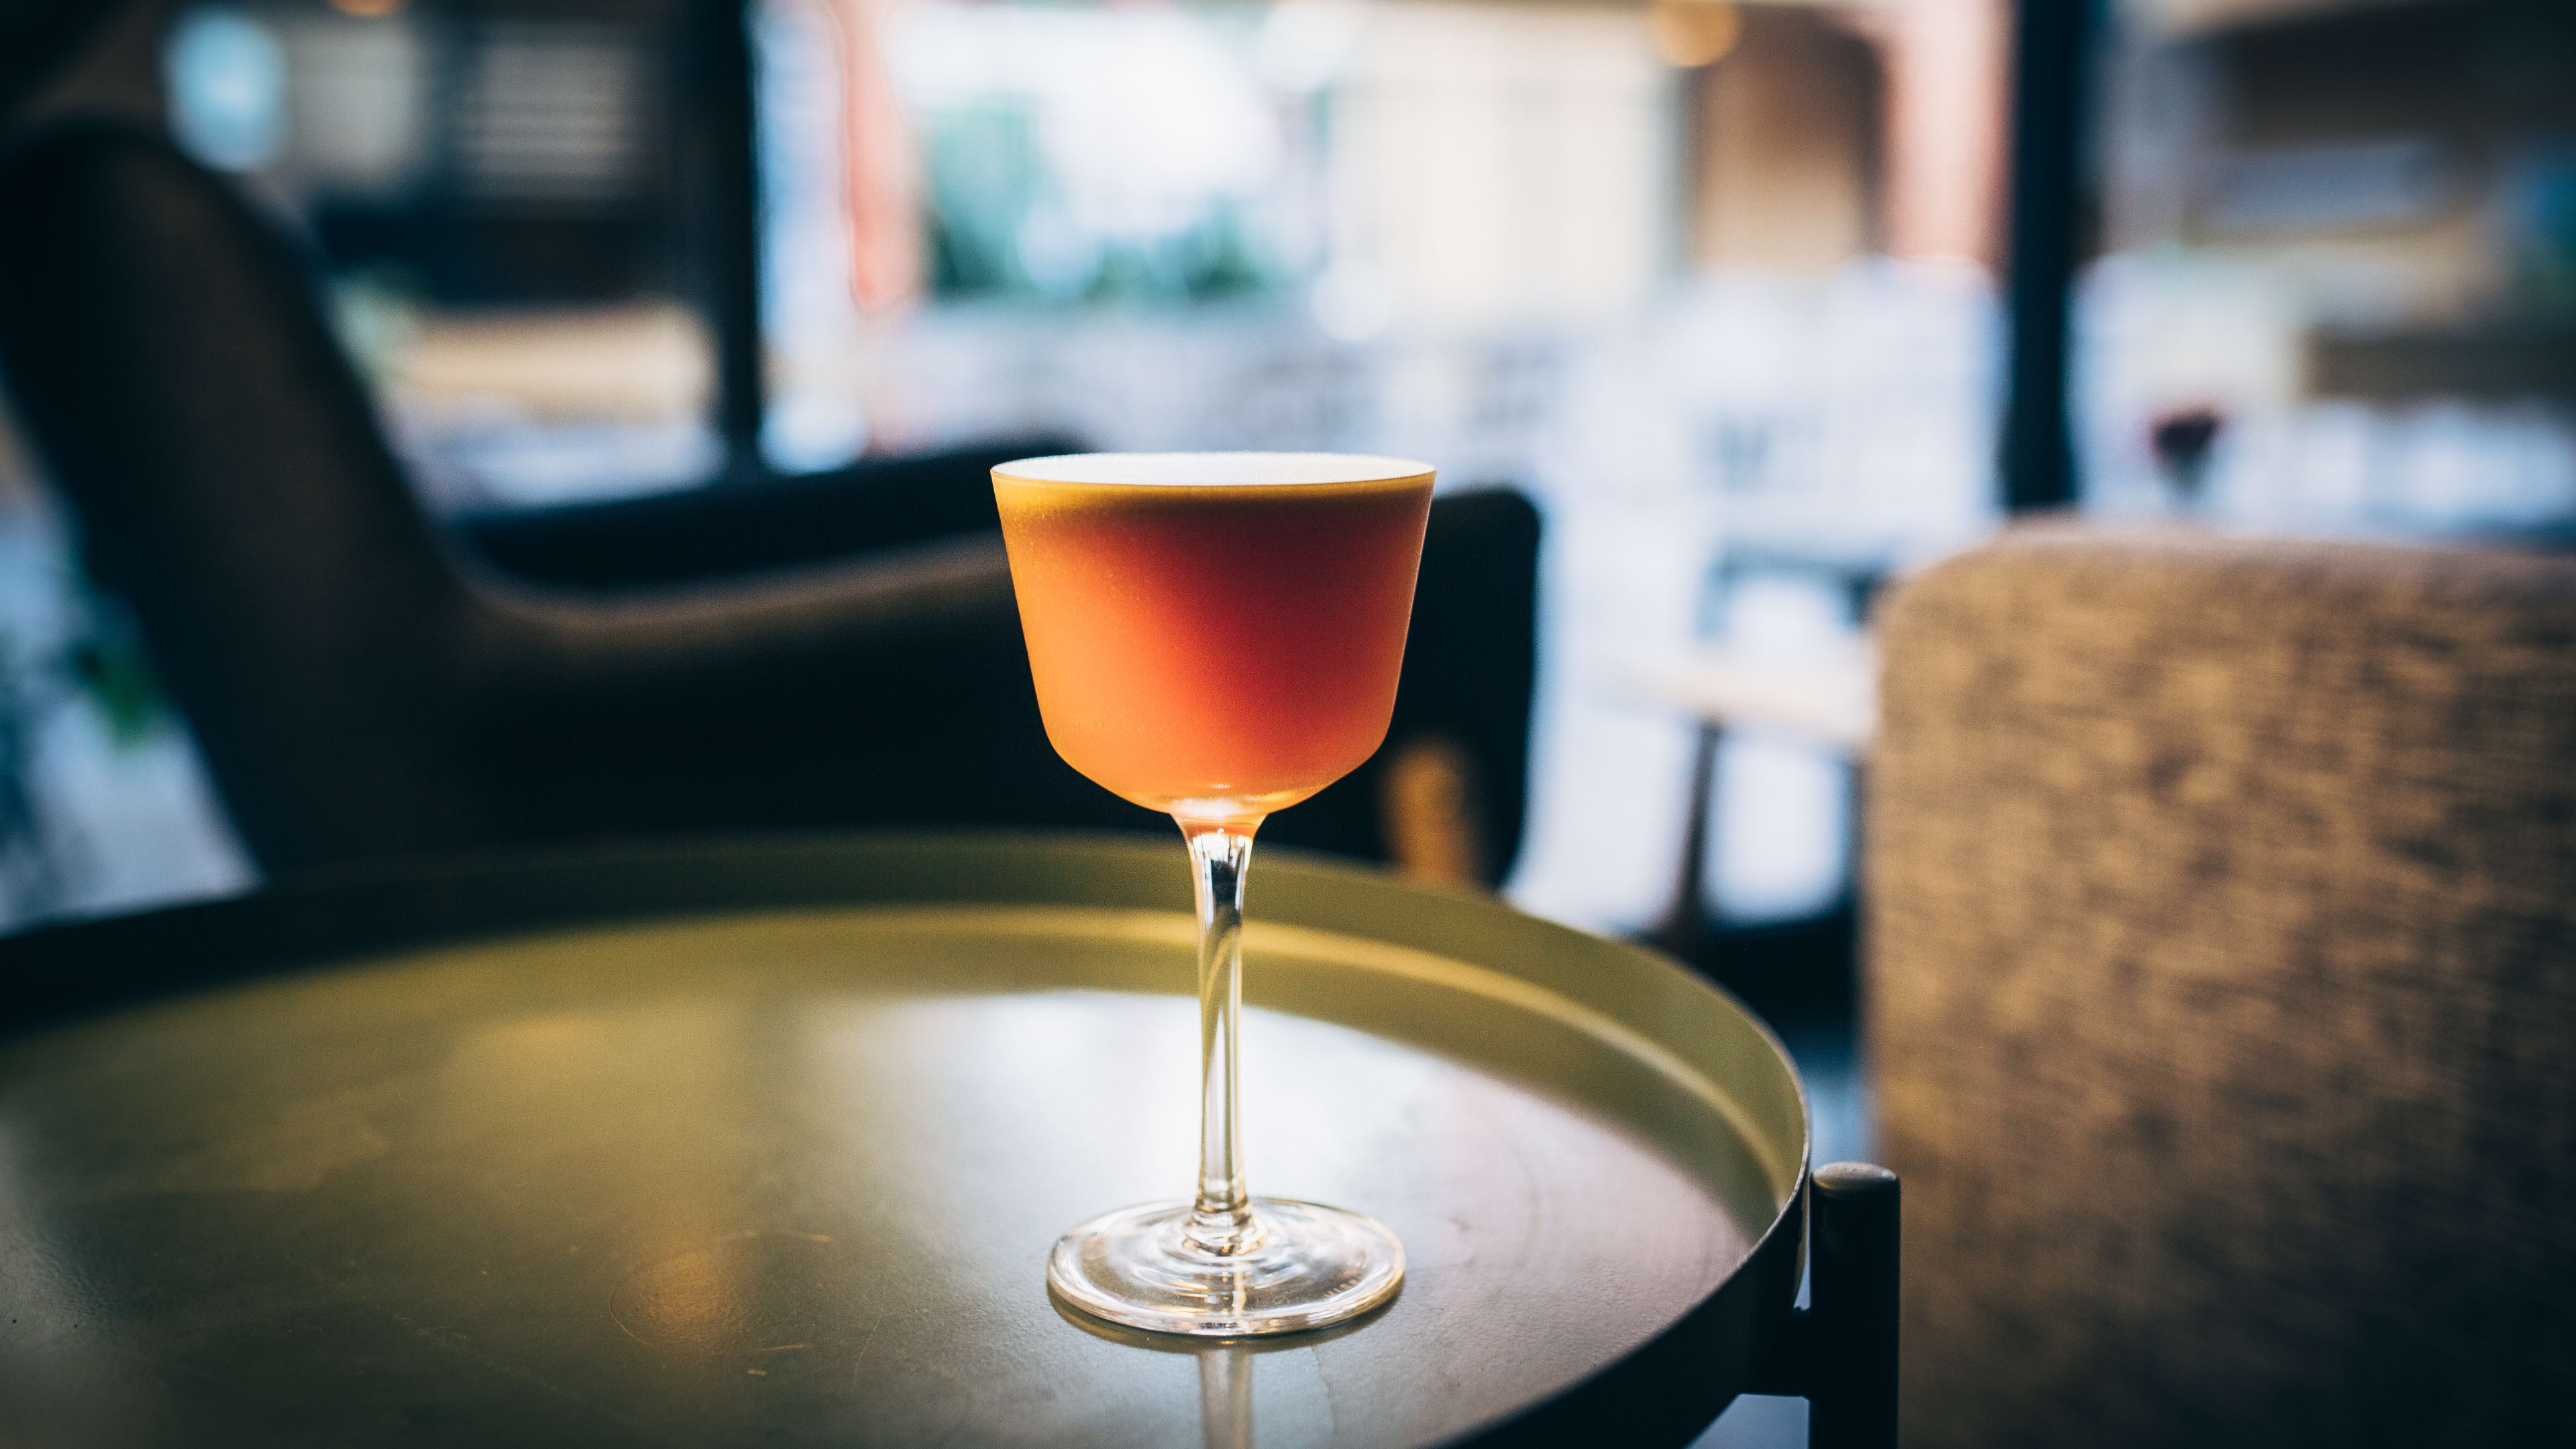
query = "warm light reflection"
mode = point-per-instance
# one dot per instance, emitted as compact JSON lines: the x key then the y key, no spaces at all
{"x":1689,"y":33}
{"x":660,"y":1088}
{"x":369,"y":9}
{"x":692,"y":1301}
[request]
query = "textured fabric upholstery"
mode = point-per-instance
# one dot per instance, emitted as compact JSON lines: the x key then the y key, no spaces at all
{"x":2222,"y":990}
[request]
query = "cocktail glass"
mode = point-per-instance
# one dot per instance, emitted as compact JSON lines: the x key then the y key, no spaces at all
{"x":1217,"y":636}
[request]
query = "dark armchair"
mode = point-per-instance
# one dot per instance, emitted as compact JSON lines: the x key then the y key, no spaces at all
{"x":365,"y":681}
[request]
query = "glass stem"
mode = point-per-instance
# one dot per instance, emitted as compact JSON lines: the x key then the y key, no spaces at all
{"x":1220,"y":1220}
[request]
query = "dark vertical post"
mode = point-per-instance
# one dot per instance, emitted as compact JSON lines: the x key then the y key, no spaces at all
{"x":2052,"y":84}
{"x":1684,"y":930}
{"x":723,"y":147}
{"x":1851,"y":1320}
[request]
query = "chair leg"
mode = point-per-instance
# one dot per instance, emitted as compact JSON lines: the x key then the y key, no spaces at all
{"x":1684,"y":930}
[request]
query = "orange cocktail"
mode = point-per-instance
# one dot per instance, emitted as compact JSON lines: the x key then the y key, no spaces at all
{"x":1217,"y":635}
{"x":1214,"y":634}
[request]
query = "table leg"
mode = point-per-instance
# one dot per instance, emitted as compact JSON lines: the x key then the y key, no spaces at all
{"x":1852,"y":1285}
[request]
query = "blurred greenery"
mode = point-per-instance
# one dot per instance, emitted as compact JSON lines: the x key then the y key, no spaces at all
{"x":1000,"y":227}
{"x":111,"y":670}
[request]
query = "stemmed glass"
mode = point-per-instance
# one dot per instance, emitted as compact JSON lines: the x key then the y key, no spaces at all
{"x":1217,"y":636}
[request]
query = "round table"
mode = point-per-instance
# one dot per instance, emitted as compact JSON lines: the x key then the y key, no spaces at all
{"x":765,"y":1143}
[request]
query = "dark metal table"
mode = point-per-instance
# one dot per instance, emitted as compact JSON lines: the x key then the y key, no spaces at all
{"x":765,"y":1143}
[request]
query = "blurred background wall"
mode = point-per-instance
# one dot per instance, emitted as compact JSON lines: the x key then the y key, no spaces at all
{"x":1715,"y":282}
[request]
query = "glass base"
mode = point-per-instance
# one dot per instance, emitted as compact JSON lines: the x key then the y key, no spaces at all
{"x":1300,"y":1265}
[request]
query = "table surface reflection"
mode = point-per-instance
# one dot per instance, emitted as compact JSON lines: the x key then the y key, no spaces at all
{"x":789,"y":1177}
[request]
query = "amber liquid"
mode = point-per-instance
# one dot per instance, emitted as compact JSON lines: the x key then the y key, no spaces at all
{"x":1215,"y":651}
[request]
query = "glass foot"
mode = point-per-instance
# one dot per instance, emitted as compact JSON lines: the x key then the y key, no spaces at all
{"x":1298,"y":1265}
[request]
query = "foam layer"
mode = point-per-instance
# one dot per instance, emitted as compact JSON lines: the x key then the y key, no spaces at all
{"x":1212,"y":470}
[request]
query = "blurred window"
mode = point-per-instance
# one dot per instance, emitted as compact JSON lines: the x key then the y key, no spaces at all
{"x":2337,"y":241}
{"x":227,"y":81}
{"x":1099,"y":154}
{"x":492,"y":187}
{"x":552,"y":112}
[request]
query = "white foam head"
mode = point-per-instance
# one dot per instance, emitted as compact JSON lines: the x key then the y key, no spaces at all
{"x":1212,"y":470}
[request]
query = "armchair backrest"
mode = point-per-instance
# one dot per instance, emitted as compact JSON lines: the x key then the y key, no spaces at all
{"x":226,"y":468}
{"x":2222,"y":992}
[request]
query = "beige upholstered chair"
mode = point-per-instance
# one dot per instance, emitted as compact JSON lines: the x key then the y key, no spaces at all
{"x":2222,"y":992}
